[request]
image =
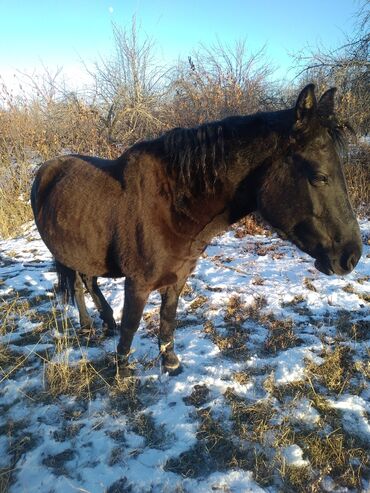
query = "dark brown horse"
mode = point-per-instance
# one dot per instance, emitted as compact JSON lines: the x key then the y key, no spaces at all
{"x":149,"y":214}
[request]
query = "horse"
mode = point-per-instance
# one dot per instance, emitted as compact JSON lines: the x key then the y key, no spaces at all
{"x":148,"y":215}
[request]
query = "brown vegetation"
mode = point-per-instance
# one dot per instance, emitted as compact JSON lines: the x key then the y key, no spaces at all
{"x":132,"y":97}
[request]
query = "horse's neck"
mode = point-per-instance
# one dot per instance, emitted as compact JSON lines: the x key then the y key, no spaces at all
{"x":246,"y":169}
{"x":249,"y":153}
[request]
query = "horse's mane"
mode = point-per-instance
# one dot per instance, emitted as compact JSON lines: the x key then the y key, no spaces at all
{"x":338,"y":131}
{"x":195,"y":157}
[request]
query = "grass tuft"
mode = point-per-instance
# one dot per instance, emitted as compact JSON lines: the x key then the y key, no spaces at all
{"x":231,"y":342}
{"x":336,"y":371}
{"x":333,"y":456}
{"x":251,"y":420}
{"x":198,"y":397}
{"x":213,"y":451}
{"x":281,"y":335}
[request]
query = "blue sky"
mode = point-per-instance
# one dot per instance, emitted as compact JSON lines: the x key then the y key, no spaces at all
{"x":63,"y":32}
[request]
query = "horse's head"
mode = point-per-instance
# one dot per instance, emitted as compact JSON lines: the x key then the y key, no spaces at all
{"x":304,"y":196}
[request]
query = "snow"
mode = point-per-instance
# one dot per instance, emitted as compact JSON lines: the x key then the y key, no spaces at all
{"x":91,"y":444}
{"x":293,"y":456}
{"x":355,"y":411}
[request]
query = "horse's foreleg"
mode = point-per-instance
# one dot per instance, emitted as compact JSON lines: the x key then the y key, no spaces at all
{"x":135,"y":299}
{"x":170,"y":298}
{"x":105,"y":311}
{"x":85,"y":319}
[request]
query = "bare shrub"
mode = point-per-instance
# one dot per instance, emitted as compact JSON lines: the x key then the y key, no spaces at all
{"x":357,"y":171}
{"x":216,"y":82}
{"x":347,"y":68}
{"x":38,"y":123}
{"x":129,"y":88}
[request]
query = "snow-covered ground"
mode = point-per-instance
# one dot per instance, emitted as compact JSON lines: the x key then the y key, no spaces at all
{"x":275,"y":355}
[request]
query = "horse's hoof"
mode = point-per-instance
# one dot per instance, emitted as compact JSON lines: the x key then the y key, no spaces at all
{"x":124,"y":369}
{"x":171,"y":363}
{"x":173,"y":372}
{"x":110,"y":328}
{"x":125,"y":372}
{"x":170,"y":359}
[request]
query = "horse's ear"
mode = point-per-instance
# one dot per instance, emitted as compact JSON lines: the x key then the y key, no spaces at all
{"x":306,"y":104}
{"x":326,"y":103}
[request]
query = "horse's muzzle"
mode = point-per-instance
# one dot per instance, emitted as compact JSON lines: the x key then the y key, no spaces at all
{"x":342,"y":263}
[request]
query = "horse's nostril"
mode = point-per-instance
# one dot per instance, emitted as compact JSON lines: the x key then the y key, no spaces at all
{"x":349,"y":261}
{"x":352,"y":261}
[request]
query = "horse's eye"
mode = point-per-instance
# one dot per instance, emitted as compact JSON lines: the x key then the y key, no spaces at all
{"x":319,"y":180}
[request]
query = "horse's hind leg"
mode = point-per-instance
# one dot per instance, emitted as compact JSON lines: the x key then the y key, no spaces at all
{"x":105,"y":311}
{"x":170,"y":298}
{"x":85,"y":319}
{"x":70,"y":284}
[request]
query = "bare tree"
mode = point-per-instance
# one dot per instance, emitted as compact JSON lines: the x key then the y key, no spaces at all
{"x":347,"y":67}
{"x":128,"y":87}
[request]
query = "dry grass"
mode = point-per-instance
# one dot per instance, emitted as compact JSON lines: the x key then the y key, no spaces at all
{"x":198,"y":397}
{"x":64,"y":378}
{"x":236,"y":311}
{"x":10,"y":362}
{"x":19,"y":441}
{"x":214,"y":450}
{"x":336,"y":371}
{"x":297,"y":479}
{"x":5,"y":477}
{"x":198,"y":303}
{"x":242,"y":377}
{"x":358,"y":330}
{"x":12,"y":308}
{"x":231,"y":341}
{"x":15,"y":209}
{"x":296,"y":300}
{"x":263,"y":468}
{"x":250,"y":420}
{"x":309,"y":285}
{"x":349,"y":288}
{"x":32,"y":130}
{"x":81,"y":378}
{"x":254,"y":309}
{"x":250,"y":225}
{"x":144,"y":424}
{"x":61,"y":375}
{"x":254,"y":436}
{"x":281,"y":335}
{"x":364,"y":367}
{"x":333,"y":455}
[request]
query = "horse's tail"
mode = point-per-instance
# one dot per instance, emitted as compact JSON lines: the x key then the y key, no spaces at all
{"x":66,"y":282}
